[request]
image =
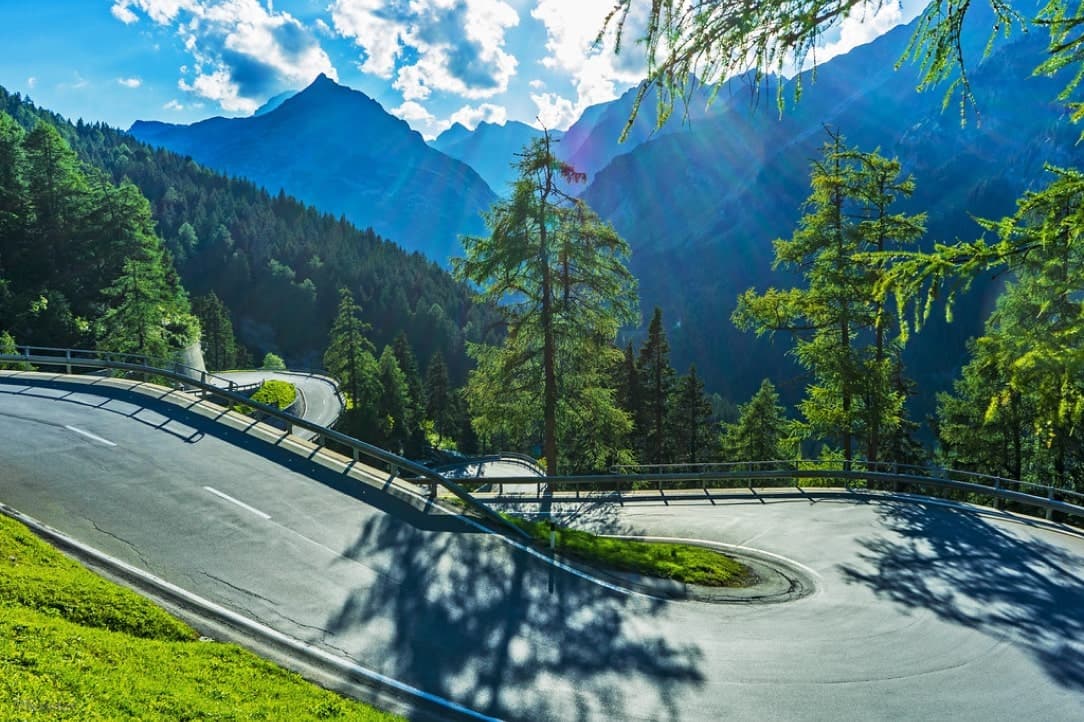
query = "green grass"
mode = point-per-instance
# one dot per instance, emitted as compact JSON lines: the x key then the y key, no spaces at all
{"x":74,"y":646}
{"x":680,"y":562}
{"x":276,"y":393}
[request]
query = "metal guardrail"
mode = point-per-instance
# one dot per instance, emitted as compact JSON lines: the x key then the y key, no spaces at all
{"x":679,"y":477}
{"x":624,"y":478}
{"x":505,"y":456}
{"x":190,"y":378}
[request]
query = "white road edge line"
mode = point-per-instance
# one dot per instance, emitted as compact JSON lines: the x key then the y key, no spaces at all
{"x":89,"y":435}
{"x":245,"y":623}
{"x":241,"y":504}
{"x":717,"y":545}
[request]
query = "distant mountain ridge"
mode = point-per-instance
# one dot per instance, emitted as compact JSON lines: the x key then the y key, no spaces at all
{"x":340,"y":151}
{"x":490,"y":149}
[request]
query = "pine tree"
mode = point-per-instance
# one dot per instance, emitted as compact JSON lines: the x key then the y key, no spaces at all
{"x":656,"y":385}
{"x":761,"y":432}
{"x":693,"y":433}
{"x":392,"y":407}
{"x":349,"y":355}
{"x":439,"y":398}
{"x":415,"y":410}
{"x":217,"y":339}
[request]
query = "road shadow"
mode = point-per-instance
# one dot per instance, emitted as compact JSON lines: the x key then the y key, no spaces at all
{"x":509,"y":635}
{"x":181,"y":423}
{"x":969,"y":571}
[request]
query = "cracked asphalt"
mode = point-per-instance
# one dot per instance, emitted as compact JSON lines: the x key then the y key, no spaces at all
{"x":921,"y":612}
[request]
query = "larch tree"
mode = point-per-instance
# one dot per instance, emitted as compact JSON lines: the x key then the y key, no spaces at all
{"x":1033,"y":348}
{"x":838,"y":321}
{"x":688,"y":43}
{"x":557,"y":274}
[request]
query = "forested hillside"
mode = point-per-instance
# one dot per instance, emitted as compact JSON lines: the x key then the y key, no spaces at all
{"x":276,"y":263}
{"x":80,"y":262}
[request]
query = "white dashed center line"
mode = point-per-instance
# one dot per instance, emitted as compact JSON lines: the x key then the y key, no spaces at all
{"x":241,"y":504}
{"x":89,"y":435}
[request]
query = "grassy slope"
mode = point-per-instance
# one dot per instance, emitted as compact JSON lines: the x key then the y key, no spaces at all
{"x":680,"y":562}
{"x":76,"y":647}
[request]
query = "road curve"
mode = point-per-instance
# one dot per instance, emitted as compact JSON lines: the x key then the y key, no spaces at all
{"x":921,"y":612}
{"x":322,"y":403}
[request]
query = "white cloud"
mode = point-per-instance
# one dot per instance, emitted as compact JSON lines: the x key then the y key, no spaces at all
{"x":121,"y":12}
{"x":243,"y":52}
{"x":455,"y":46}
{"x":423,"y":121}
{"x":173,"y":105}
{"x":469,"y":117}
{"x":413,"y":113}
{"x":861,"y":27}
{"x":130,"y":82}
{"x":555,"y":111}
{"x":596,"y":73}
{"x":161,"y":12}
{"x":31,"y":82}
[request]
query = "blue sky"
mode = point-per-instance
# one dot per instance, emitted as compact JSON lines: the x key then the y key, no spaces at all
{"x":431,"y":62}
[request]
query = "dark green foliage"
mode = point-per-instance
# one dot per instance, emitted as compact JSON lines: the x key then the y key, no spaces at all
{"x":219,"y":345}
{"x":656,"y":377}
{"x":415,"y":400}
{"x":439,"y":406}
{"x":557,"y":273}
{"x":694,"y":436}
{"x":1019,"y":406}
{"x":761,"y":432}
{"x":393,"y":406}
{"x":274,"y":262}
{"x":841,"y":331}
{"x":81,"y":258}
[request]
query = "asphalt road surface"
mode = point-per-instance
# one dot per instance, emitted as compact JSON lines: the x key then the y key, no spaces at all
{"x":921,"y":612}
{"x":321,"y":400}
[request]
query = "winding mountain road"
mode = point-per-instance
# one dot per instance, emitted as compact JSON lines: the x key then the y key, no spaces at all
{"x":921,"y":611}
{"x":320,"y":400}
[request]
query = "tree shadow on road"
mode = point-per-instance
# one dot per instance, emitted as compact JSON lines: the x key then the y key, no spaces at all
{"x":972,"y":572}
{"x":504,"y":633}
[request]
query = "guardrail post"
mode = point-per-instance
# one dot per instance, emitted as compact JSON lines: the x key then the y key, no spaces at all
{"x":1049,"y":497}
{"x":355,"y":449}
{"x":68,"y":358}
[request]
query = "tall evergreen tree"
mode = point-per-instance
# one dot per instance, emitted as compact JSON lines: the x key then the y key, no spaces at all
{"x":439,"y":406}
{"x":557,"y":273}
{"x":760,"y":433}
{"x":392,"y":406}
{"x":349,"y":358}
{"x":694,"y":435}
{"x":838,"y":319}
{"x":656,"y":385}
{"x":216,"y":338}
{"x":416,"y":408}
